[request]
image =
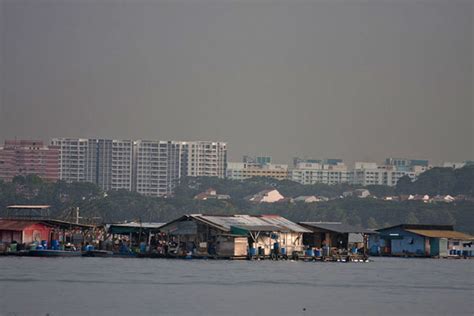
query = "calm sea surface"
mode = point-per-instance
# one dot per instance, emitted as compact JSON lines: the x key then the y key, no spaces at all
{"x":110,"y":286}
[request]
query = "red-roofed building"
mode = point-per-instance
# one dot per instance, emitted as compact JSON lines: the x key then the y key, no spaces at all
{"x":23,"y":231}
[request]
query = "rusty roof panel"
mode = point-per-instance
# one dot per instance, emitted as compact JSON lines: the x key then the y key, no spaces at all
{"x":15,"y":225}
{"x":337,"y":227}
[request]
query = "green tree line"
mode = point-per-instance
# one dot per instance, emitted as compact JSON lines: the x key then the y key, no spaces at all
{"x":122,"y":205}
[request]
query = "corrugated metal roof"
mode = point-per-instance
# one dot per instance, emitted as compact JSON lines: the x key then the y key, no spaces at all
{"x":64,"y":224}
{"x":283,"y":222}
{"x":27,"y":222}
{"x":15,"y":225}
{"x":138,"y":225}
{"x":337,"y":227}
{"x":441,"y":234}
{"x":418,"y":226}
{"x":254,"y":221}
{"x":127,"y":228}
{"x":268,"y":228}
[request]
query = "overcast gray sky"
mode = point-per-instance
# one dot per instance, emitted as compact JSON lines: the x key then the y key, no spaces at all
{"x":359,"y":80}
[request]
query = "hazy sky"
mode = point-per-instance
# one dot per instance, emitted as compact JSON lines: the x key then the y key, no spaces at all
{"x":359,"y":80}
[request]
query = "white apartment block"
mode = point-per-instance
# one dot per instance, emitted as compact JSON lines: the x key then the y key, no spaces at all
{"x":369,"y":173}
{"x":103,"y":168}
{"x":121,"y":165}
{"x":203,"y":159}
{"x":107,"y":163}
{"x":76,"y":162}
{"x":314,"y":172}
{"x":149,"y":167}
{"x":247,"y":170}
{"x":157,"y":167}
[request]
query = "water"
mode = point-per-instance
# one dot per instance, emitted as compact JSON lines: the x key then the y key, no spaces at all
{"x":110,"y":286}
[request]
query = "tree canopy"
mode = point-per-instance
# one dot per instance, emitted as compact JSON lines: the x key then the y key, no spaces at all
{"x":440,"y":181}
{"x":113,"y":206}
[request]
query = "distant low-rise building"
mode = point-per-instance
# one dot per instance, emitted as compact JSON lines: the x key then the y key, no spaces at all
{"x":307,"y":199}
{"x":419,"y":197}
{"x":329,"y":171}
{"x":360,"y":193}
{"x":442,"y":198}
{"x":211,"y":194}
{"x":266,"y":196}
{"x":370,"y":173}
{"x":247,"y":170}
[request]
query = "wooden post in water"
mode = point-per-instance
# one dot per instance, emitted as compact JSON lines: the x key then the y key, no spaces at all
{"x":149,"y":241}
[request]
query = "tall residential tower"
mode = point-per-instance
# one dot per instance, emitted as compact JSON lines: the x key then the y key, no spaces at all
{"x":149,"y":167}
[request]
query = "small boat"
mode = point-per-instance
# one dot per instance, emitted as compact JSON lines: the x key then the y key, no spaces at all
{"x":97,"y":253}
{"x":52,"y":253}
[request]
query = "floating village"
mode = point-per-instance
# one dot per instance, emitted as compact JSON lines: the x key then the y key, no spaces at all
{"x":27,"y":230}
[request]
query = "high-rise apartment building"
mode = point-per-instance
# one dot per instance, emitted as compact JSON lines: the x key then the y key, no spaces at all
{"x":107,"y":163}
{"x":149,"y":167}
{"x":203,"y":159}
{"x":29,"y":157}
{"x":121,"y":177}
{"x":76,"y":160}
{"x":157,"y":167}
{"x":102,"y":170}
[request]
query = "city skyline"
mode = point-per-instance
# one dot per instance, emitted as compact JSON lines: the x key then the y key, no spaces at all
{"x":155,"y":167}
{"x":286,"y":158}
{"x":240,"y":157}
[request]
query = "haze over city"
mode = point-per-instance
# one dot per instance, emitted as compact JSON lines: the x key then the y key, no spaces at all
{"x":358,"y":80}
{"x":236,"y":157}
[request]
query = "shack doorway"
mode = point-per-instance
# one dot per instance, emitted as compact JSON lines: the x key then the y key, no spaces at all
{"x":314,"y":239}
